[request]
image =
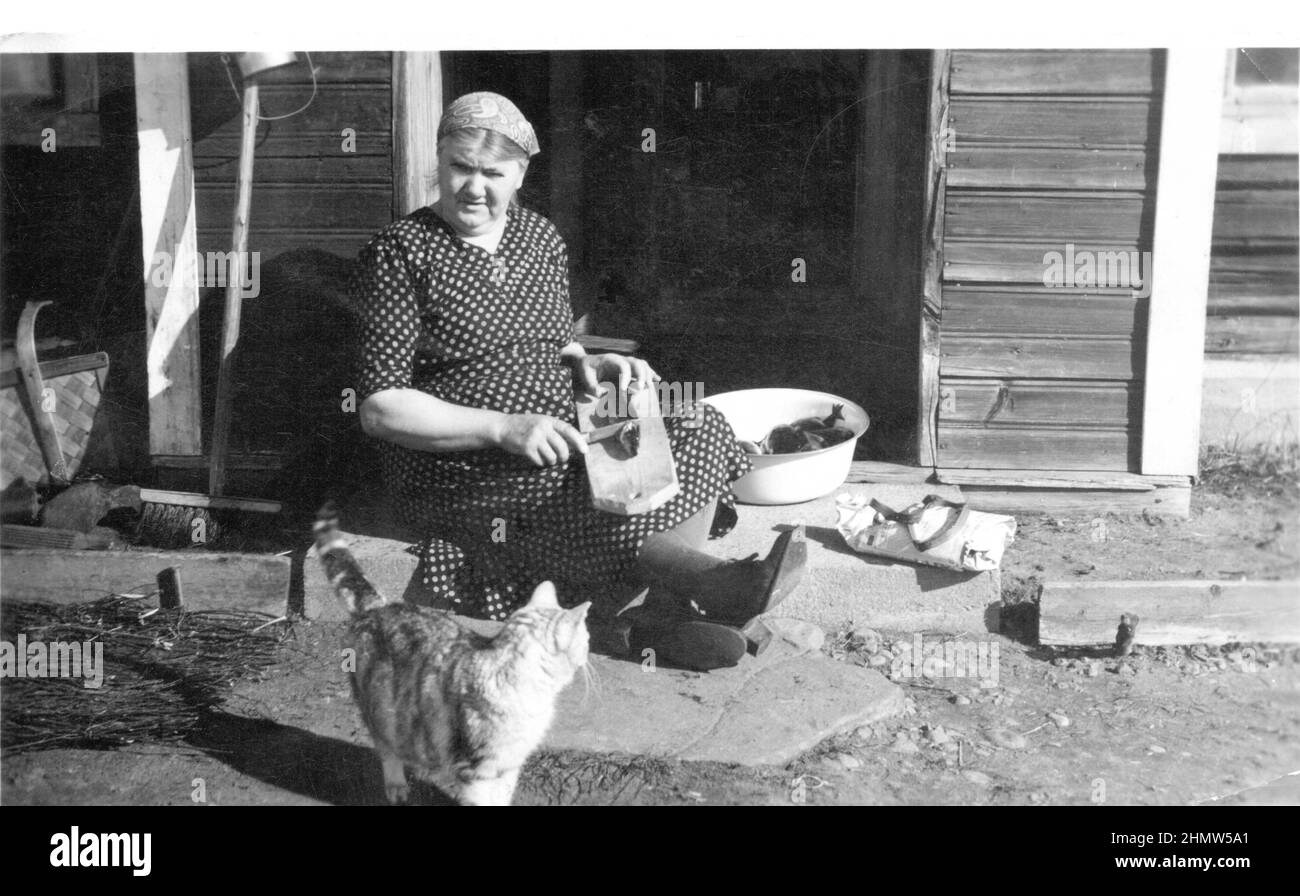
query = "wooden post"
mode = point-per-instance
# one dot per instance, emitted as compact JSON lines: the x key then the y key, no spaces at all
{"x":223,"y":409}
{"x":927,"y":424}
{"x":417,"y":106}
{"x":1180,"y":269}
{"x":171,"y":277}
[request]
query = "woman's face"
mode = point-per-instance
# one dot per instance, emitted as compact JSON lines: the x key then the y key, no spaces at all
{"x":475,"y":190}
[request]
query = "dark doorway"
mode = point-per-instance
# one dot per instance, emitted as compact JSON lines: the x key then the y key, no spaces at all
{"x":751,"y":218}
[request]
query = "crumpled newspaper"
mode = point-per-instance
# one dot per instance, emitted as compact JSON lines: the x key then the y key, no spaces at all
{"x":976,"y":543}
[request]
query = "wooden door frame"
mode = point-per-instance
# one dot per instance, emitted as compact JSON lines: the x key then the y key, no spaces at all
{"x":417,"y":107}
{"x":1185,"y":190}
{"x":936,"y":182}
{"x":170,"y":246}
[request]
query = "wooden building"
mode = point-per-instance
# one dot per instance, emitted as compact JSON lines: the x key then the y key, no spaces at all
{"x":1016,"y":285}
{"x":1252,"y":338}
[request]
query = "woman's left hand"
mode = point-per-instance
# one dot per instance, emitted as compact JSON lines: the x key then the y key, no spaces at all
{"x":619,"y":370}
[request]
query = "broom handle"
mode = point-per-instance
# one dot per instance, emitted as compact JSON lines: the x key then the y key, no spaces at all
{"x":234,"y":296}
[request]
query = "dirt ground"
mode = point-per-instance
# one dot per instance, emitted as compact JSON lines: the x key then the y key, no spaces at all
{"x":1167,"y":726}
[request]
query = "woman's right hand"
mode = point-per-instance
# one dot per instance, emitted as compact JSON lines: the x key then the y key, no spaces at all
{"x":543,"y":440}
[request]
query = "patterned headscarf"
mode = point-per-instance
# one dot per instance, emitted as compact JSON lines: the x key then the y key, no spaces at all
{"x":492,"y":112}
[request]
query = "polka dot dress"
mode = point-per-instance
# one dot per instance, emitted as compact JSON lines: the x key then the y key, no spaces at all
{"x":484,"y":330}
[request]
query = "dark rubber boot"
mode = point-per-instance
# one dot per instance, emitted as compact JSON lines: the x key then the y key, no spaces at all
{"x":728,"y":591}
{"x":687,"y":643}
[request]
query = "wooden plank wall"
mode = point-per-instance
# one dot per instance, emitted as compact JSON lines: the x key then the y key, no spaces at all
{"x":308,"y":193}
{"x":1045,"y":149}
{"x":322,"y":187}
{"x":1254,"y":305}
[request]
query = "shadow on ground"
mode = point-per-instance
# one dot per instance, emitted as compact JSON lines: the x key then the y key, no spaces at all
{"x":307,"y":764}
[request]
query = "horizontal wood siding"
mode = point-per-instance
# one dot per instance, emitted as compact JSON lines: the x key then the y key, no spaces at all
{"x":308,"y":192}
{"x":1049,"y":151}
{"x":322,"y":187}
{"x":1254,"y":304}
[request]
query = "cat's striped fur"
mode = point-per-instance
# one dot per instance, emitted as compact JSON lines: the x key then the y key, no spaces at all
{"x":459,"y":709}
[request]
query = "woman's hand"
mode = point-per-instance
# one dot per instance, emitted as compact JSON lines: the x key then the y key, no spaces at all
{"x":620,"y":370}
{"x":543,"y":440}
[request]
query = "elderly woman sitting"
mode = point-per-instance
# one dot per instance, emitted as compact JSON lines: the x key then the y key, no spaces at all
{"x":468,"y":375}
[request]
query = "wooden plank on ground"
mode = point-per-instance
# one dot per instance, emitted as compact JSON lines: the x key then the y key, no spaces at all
{"x":211,"y":580}
{"x":1055,"y":71}
{"x":1182,"y":612}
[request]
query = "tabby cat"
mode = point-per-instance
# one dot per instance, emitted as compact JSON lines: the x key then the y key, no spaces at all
{"x":462,"y":710}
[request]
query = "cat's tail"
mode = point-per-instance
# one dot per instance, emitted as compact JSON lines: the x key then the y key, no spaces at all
{"x":349,"y":582}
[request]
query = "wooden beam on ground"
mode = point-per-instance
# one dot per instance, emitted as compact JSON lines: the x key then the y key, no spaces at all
{"x":417,"y":106}
{"x":212,"y":580}
{"x":1188,"y":612}
{"x":171,"y":276}
{"x":1180,"y":268}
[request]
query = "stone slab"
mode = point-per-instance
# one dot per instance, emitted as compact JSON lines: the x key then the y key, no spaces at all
{"x":765,"y":711}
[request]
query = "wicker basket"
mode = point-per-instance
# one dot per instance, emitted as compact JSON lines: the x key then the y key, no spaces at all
{"x":77,"y":385}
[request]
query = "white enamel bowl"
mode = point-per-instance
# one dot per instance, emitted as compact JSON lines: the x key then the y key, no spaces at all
{"x":788,"y":478}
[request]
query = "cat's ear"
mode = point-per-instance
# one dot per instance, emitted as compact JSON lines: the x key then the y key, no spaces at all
{"x":580,"y":610}
{"x":544,"y":597}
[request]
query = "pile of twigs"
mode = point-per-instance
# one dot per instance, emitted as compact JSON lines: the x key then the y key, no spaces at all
{"x":162,"y":670}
